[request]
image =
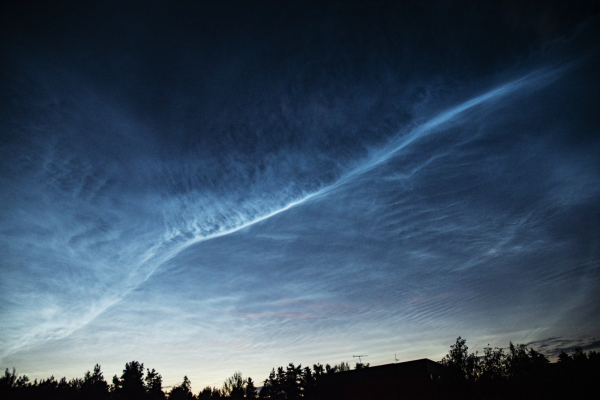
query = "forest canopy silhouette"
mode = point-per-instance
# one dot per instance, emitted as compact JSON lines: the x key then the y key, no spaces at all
{"x":516,"y":372}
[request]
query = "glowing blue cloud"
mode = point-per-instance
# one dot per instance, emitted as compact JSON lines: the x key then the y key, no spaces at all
{"x":145,"y":264}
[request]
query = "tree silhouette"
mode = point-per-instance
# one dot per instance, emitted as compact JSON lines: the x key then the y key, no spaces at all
{"x":308,"y":383}
{"x":131,"y":384}
{"x":459,"y":362}
{"x":341,"y":367}
{"x":94,"y":385}
{"x":273,"y":385}
{"x":234,"y":386}
{"x":293,"y":381}
{"x":520,"y":372}
{"x":7,"y":383}
{"x":183,"y":391}
{"x":154,"y":385}
{"x":361,"y":365}
{"x":250,"y":390}
{"x":209,"y":393}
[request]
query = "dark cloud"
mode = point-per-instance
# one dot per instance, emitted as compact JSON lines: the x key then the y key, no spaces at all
{"x":554,"y":346}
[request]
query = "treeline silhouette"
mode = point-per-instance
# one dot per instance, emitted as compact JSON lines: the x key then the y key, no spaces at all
{"x":294,"y":382}
{"x":517,"y":372}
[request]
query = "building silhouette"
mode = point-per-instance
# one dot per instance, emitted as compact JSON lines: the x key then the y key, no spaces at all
{"x":411,"y":380}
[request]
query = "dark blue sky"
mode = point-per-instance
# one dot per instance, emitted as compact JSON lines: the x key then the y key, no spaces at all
{"x":219,"y":186}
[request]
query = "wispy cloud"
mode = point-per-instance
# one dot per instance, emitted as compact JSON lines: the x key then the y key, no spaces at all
{"x":200,"y":218}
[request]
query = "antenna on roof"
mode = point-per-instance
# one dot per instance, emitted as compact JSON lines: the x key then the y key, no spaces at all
{"x":359,"y":360}
{"x":395,"y":358}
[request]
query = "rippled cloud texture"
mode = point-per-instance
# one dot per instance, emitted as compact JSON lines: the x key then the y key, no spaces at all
{"x":235,"y":186}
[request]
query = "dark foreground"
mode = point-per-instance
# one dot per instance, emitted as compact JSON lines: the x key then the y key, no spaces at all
{"x":517,"y":372}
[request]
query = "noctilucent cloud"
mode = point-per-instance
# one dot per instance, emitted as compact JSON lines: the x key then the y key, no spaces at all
{"x":226,"y":186}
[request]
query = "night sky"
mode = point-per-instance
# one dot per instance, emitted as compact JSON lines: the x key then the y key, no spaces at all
{"x":218,"y":186}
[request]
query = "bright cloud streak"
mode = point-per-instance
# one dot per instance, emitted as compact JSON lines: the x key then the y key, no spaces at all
{"x":533,"y":80}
